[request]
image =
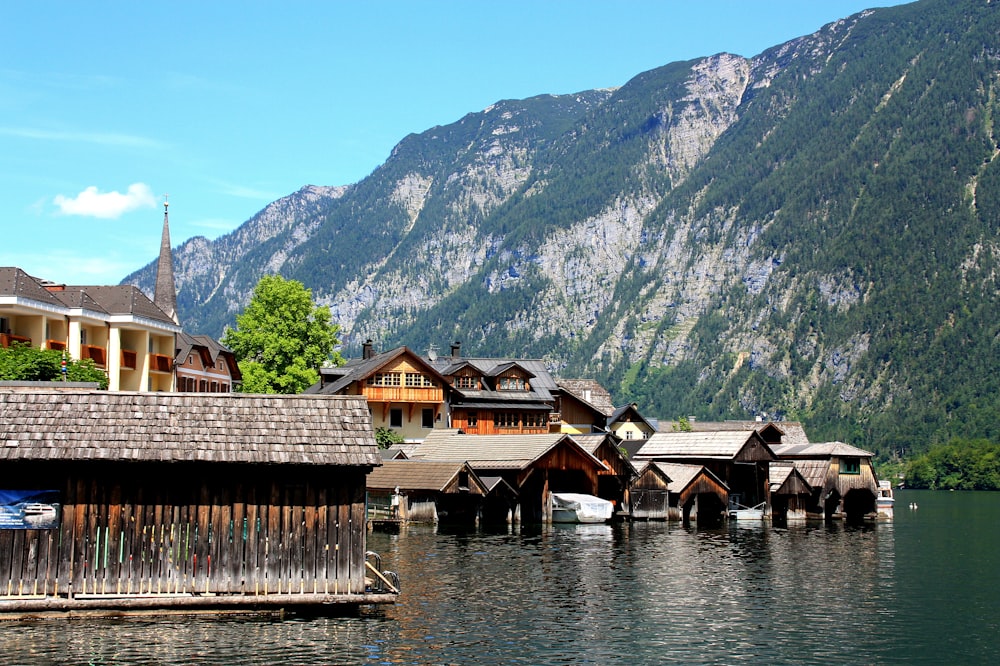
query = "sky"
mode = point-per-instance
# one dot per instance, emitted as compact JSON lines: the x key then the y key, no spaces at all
{"x":106,"y":108}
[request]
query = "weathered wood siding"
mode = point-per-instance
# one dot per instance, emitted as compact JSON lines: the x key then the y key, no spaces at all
{"x":158,"y":529}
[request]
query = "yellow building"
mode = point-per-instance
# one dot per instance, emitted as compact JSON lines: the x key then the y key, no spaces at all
{"x":116,"y":326}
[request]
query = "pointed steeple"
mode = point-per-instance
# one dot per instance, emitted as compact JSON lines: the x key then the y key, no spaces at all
{"x":165,"y":293}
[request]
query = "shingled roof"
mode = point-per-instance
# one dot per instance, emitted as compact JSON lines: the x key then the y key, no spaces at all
{"x":723,"y":445}
{"x":495,"y":451}
{"x":420,"y":475}
{"x":49,"y":424}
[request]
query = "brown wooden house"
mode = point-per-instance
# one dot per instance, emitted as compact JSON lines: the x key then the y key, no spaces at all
{"x":404,"y":392}
{"x":790,"y":492}
{"x":497,"y":396}
{"x":841,"y":476}
{"x":676,"y":491}
{"x":534,"y":465}
{"x":432,"y":492}
{"x":158,"y":500}
{"x":739,"y":458}
{"x":614,"y":480}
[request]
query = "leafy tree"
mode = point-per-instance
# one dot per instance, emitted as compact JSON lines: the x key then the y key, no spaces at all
{"x":20,"y":362}
{"x":282,"y":338}
{"x":385,"y":437}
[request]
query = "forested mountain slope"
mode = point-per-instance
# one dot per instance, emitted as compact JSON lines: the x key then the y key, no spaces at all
{"x":812,"y":233}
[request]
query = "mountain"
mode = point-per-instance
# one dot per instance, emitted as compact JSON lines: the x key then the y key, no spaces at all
{"x":810,"y":233}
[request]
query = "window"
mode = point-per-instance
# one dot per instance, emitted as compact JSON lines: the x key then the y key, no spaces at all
{"x":534,"y":420}
{"x":508,"y":420}
{"x":416,"y":380}
{"x":850,"y":465}
{"x":427,"y":418}
{"x":473,"y":419}
{"x":395,"y":418}
{"x":385,"y":379}
{"x":510,"y":384}
{"x":466,"y":382}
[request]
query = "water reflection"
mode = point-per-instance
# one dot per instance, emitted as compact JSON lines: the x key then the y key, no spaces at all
{"x":645,"y":593}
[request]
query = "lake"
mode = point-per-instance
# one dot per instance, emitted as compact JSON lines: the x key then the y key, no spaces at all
{"x":923,"y":588}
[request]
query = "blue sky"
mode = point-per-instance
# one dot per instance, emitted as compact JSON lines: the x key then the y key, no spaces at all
{"x":227,"y":106}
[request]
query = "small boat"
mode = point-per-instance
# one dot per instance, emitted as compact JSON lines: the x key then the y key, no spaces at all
{"x":885,"y":501}
{"x":579,"y":508}
{"x":737,"y":511}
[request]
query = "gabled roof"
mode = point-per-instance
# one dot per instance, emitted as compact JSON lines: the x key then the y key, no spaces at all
{"x":496,"y":451}
{"x":590,"y":392}
{"x":542,"y":382}
{"x":724,"y":445}
{"x":120,"y":299}
{"x":501,"y":368}
{"x":683,"y":475}
{"x":15,"y":284}
{"x":49,"y":424}
{"x":820,"y":450}
{"x":209,"y":347}
{"x":815,"y":472}
{"x":625,"y":409}
{"x":784,"y":472}
{"x":339,"y":378}
{"x":420,"y":475}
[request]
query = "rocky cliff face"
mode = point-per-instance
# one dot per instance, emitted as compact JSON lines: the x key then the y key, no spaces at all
{"x":721,"y":237}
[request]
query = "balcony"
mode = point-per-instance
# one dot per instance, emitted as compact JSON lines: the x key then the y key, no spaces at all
{"x":96,"y":354}
{"x":7,"y":339}
{"x":160,"y":363}
{"x":129,"y":358}
{"x":58,"y":345}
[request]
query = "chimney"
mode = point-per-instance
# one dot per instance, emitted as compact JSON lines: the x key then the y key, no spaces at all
{"x":456,"y":349}
{"x":366,"y":349}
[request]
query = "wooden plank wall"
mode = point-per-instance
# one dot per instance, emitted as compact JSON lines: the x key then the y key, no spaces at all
{"x":249,"y":537}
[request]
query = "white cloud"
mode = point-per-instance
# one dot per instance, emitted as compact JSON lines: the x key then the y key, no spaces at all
{"x":106,"y":205}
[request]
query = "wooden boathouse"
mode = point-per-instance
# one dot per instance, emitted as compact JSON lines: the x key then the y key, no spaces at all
{"x":120,"y":501}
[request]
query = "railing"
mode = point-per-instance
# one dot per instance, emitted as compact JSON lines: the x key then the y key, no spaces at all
{"x":58,"y":345}
{"x":160,"y":363}
{"x":129,"y":359}
{"x":98,"y":355}
{"x":6,"y":339}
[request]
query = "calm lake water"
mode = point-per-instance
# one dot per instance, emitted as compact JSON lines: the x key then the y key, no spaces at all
{"x":924,"y":588}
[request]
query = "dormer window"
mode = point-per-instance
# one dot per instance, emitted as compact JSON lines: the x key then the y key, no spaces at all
{"x":510,"y":384}
{"x":466,"y":382}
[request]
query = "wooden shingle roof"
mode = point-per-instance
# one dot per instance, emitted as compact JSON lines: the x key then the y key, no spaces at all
{"x":495,"y":451}
{"x":721,"y":445}
{"x":819,"y":450}
{"x":49,"y":424}
{"x":420,"y":475}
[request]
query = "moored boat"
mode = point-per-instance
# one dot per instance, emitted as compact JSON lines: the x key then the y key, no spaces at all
{"x":738,"y":511}
{"x":580,"y":508}
{"x":885,"y":501}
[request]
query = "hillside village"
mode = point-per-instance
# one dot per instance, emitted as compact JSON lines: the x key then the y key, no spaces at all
{"x":503,"y":434}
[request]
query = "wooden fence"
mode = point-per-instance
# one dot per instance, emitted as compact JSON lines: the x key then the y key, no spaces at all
{"x":169,"y":535}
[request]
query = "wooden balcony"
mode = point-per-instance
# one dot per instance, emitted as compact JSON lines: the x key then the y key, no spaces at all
{"x":7,"y":339}
{"x":98,"y":355}
{"x":160,"y":363}
{"x":129,"y":358}
{"x":58,"y":345}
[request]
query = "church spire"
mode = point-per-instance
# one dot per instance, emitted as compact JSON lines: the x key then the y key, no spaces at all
{"x":165,"y":293}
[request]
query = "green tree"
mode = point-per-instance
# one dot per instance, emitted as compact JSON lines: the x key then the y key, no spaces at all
{"x":282,"y":338}
{"x":20,"y":362}
{"x":385,"y":437}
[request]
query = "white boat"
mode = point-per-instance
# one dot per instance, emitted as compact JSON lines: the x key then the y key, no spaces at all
{"x":884,"y":502}
{"x":739,"y":512}
{"x":579,"y":508}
